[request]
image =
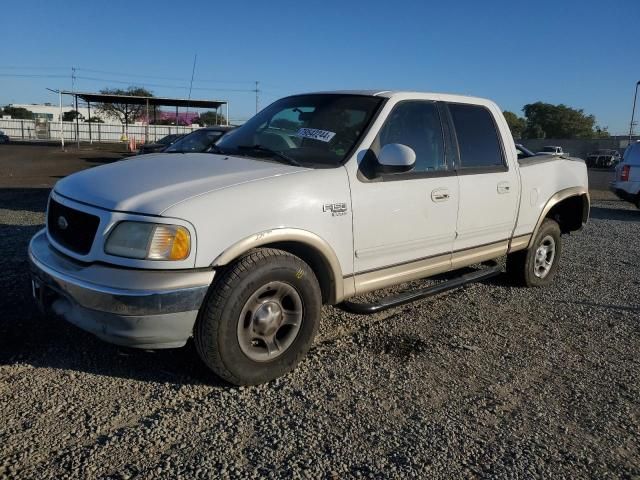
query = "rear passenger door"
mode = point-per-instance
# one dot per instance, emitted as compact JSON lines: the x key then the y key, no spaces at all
{"x":489,"y":186}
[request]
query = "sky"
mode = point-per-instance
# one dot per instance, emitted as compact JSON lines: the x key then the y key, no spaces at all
{"x":585,"y":54}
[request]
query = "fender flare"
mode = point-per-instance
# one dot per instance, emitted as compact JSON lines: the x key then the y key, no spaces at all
{"x":295,"y":235}
{"x":556,"y":199}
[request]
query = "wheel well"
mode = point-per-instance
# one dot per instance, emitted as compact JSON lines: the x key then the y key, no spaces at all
{"x":311,"y":257}
{"x":316,"y":261}
{"x":570,"y":213}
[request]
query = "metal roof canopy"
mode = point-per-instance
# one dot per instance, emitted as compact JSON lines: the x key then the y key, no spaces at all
{"x":151,"y":101}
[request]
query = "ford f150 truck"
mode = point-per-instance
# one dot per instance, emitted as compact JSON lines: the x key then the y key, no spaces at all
{"x":317,"y":199}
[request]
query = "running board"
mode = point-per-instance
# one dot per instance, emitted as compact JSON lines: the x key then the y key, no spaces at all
{"x":396,"y":300}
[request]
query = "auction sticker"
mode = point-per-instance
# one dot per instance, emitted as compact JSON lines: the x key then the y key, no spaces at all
{"x":315,"y":134}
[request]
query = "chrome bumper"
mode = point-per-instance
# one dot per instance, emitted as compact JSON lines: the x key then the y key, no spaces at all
{"x":138,"y":308}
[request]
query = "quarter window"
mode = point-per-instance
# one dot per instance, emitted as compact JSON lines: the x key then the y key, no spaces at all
{"x":416,"y":124}
{"x":478,"y":140}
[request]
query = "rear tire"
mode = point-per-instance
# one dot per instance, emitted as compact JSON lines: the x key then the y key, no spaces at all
{"x":260,"y":317}
{"x":537,"y":266}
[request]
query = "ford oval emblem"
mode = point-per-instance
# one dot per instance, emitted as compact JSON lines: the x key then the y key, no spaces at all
{"x":62,"y":223}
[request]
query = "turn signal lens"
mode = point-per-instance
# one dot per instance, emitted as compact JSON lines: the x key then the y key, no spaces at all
{"x":151,"y":241}
{"x":169,"y":242}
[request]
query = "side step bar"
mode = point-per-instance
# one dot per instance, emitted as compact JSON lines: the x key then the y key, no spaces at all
{"x":396,"y":300}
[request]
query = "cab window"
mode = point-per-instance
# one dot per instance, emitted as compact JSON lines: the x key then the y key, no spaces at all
{"x":416,"y":124}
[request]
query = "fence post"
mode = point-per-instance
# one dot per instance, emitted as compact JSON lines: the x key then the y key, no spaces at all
{"x":98,"y":132}
{"x":22,"y":129}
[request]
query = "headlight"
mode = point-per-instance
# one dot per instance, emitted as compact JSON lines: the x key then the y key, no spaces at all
{"x":150,"y":241}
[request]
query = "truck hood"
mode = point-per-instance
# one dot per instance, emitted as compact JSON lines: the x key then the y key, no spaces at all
{"x":150,"y":184}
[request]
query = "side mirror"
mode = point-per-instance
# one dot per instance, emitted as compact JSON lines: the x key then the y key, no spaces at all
{"x":396,"y":158}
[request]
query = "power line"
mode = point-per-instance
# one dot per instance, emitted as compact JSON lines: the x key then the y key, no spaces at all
{"x":32,"y":75}
{"x":122,"y":74}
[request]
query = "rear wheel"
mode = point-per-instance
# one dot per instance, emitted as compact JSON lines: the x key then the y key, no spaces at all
{"x":537,"y":266}
{"x":260,"y":317}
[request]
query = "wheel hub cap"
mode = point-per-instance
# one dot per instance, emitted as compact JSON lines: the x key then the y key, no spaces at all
{"x":544,"y":257}
{"x":270,"y":321}
{"x":267,"y":319}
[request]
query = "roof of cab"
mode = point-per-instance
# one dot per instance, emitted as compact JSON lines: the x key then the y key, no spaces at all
{"x":408,"y":94}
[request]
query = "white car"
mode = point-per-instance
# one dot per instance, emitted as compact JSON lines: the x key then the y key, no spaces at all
{"x":627,"y":180}
{"x":315,"y":200}
{"x":552,"y":150}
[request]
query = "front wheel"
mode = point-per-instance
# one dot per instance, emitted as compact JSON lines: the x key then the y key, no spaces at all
{"x":260,"y":318}
{"x":536,"y":266}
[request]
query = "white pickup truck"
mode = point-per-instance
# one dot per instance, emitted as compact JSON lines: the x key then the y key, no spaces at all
{"x":317,"y":199}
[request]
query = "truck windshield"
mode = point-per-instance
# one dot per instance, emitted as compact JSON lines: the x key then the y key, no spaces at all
{"x":308,"y":130}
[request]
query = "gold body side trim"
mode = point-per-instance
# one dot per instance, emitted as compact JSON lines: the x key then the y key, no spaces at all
{"x":386,"y":277}
{"x":478,"y":254}
{"x":520,"y":243}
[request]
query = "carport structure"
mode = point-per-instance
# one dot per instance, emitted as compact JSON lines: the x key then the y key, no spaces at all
{"x":148,"y":102}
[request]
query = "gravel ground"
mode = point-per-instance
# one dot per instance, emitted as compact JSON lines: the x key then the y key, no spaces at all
{"x":489,"y":381}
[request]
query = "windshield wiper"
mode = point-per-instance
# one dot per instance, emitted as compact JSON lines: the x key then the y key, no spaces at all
{"x":274,"y":153}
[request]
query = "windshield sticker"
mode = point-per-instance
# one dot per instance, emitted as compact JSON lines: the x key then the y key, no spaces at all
{"x":315,"y":134}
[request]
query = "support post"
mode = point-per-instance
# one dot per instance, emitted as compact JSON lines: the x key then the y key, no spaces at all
{"x":61,"y":123}
{"x":89,"y":108}
{"x":146,"y":130}
{"x":77,"y":123}
{"x":633,"y":112}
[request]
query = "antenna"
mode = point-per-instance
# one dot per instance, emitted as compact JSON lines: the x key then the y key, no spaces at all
{"x":257,"y":91}
{"x":73,"y":79}
{"x":193,"y":71}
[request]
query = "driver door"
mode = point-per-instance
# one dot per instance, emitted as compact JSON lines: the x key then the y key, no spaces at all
{"x":404,"y":224}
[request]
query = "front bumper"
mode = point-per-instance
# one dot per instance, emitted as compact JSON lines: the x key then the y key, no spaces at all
{"x":132,"y":307}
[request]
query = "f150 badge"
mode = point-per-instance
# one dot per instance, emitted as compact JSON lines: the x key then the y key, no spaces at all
{"x":336,"y":209}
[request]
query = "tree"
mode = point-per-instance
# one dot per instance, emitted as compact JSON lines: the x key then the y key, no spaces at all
{"x":70,"y":116}
{"x":210,"y":118}
{"x":18,"y":113}
{"x":516,"y":124}
{"x":545,"y":120}
{"x":125,"y":113}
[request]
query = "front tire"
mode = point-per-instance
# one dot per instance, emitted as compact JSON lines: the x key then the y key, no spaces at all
{"x":260,"y":318}
{"x":537,"y":266}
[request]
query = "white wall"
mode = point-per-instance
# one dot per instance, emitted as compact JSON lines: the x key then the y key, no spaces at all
{"x":95,"y":132}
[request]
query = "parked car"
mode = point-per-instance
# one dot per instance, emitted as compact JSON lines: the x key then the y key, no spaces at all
{"x":199,"y":140}
{"x":603,"y":158}
{"x":317,"y":199}
{"x":523,"y":152}
{"x":552,"y":150}
{"x":160,"y":145}
{"x":627,"y":179}
{"x":3,"y":137}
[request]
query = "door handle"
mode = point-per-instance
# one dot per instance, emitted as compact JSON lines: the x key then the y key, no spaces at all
{"x":440,"y":195}
{"x":504,"y":187}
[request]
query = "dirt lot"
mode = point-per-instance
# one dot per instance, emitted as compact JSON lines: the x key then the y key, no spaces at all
{"x":489,"y":381}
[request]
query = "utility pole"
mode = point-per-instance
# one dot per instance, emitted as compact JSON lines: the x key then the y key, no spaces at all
{"x":59,"y":92}
{"x":633,"y":112}
{"x":257,"y":91}
{"x":73,"y":79}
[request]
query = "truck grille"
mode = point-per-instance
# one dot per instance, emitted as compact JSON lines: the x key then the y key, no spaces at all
{"x":71,"y":228}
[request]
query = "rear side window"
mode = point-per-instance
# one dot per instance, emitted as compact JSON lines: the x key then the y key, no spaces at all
{"x":417,"y":125}
{"x":478,"y":140}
